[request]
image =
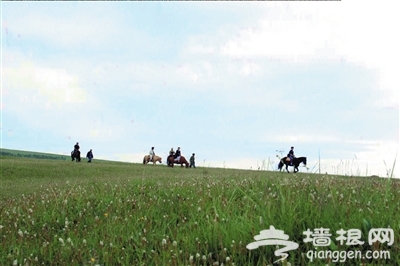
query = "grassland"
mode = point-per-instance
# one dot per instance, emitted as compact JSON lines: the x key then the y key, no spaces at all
{"x":56,"y":212}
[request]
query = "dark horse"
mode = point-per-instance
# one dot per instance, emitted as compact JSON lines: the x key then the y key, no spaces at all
{"x":76,"y":154}
{"x":296,"y":163}
{"x":182,"y":161}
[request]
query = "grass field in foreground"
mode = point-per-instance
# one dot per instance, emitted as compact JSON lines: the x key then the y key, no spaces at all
{"x":56,"y":212}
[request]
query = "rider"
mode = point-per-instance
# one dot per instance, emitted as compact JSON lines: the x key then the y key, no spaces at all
{"x":76,"y":147}
{"x":290,"y":155}
{"x":76,"y":153}
{"x":177,"y":155}
{"x":151,"y":154}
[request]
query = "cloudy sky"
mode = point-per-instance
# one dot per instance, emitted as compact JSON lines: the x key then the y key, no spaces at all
{"x":237,"y":83}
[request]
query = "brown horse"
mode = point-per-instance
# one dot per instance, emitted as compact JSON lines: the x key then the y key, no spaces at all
{"x":182,"y":161}
{"x":155,"y":159}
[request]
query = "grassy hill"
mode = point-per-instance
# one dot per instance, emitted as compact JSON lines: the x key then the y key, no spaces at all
{"x":30,"y":154}
{"x":57,"y":212}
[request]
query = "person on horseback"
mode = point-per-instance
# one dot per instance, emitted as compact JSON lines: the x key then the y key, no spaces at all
{"x":172,"y":152}
{"x":76,"y":154}
{"x":151,"y":154}
{"x":76,"y":147}
{"x":177,"y":155}
{"x":290,"y":155}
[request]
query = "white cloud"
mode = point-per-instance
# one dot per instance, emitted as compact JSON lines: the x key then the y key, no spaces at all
{"x":294,"y":35}
{"x":302,"y":33}
{"x":52,"y":99}
{"x":54,"y":84}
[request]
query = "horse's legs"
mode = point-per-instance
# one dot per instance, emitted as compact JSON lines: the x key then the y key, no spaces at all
{"x":295,"y":170}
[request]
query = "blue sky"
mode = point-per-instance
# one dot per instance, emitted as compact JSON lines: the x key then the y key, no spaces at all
{"x":234,"y":82}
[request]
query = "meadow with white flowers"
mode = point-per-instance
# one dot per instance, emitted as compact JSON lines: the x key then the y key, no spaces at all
{"x":55,"y":212}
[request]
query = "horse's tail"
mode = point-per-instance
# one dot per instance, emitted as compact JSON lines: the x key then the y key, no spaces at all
{"x":280,"y":165}
{"x":144,"y":160}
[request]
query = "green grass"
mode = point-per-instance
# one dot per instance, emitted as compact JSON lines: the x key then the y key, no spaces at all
{"x":56,"y":212}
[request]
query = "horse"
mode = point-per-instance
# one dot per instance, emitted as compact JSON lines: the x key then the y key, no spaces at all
{"x":182,"y":161}
{"x":76,"y":154}
{"x":155,"y":159}
{"x":296,"y":163}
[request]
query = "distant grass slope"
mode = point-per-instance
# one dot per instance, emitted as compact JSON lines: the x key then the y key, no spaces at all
{"x":31,"y":154}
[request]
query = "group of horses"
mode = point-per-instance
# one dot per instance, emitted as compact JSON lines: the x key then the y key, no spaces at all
{"x":170,"y":160}
{"x":76,"y":155}
{"x":182,"y":161}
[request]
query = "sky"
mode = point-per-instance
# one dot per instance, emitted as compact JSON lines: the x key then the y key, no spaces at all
{"x":236,"y":83}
